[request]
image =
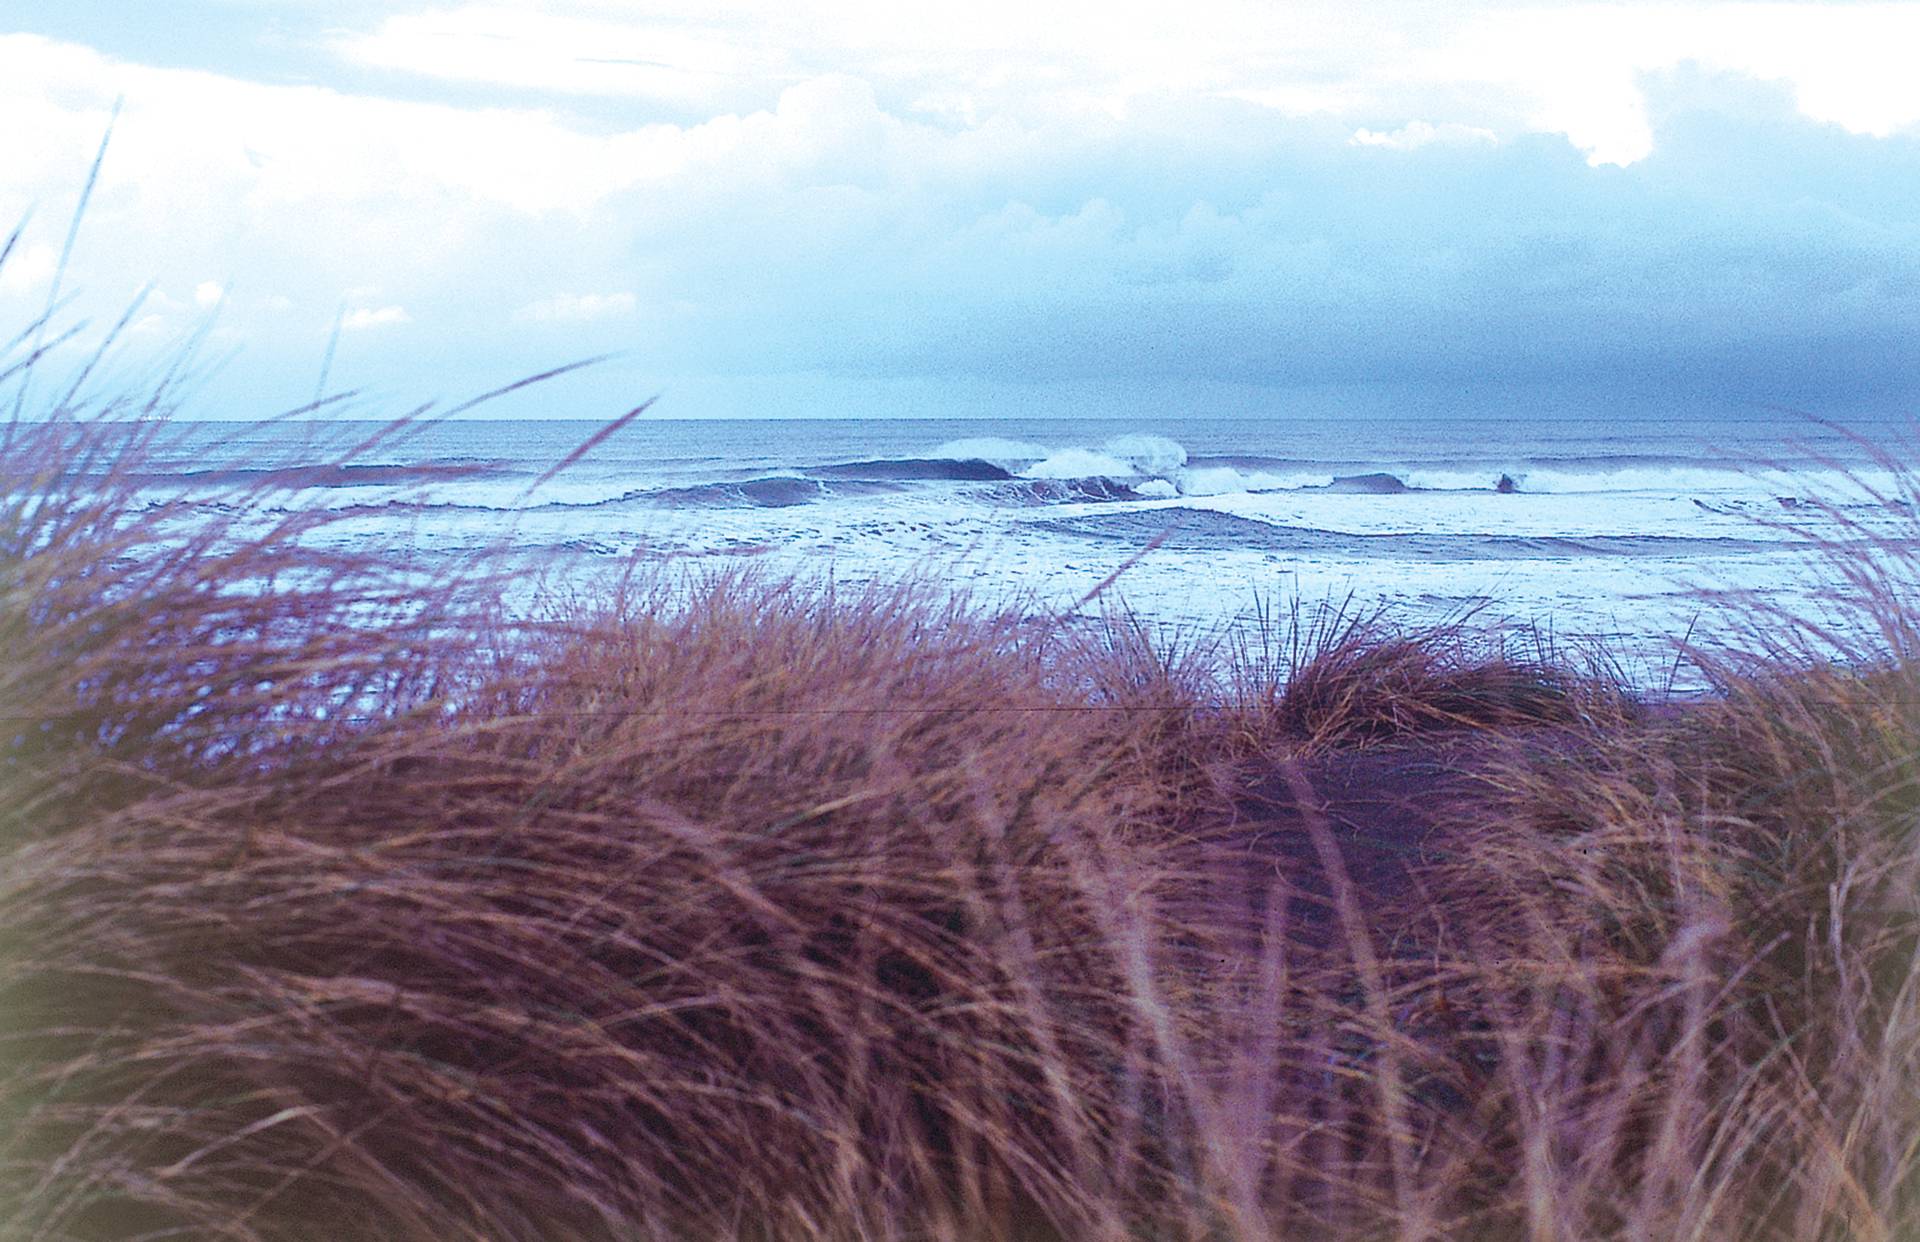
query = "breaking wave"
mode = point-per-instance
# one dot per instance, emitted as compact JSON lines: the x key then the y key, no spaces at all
{"x":1142,"y":461}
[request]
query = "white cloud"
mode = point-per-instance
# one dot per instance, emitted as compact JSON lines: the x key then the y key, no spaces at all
{"x":1415,"y":134}
{"x":1566,"y":68}
{"x":369,"y":317}
{"x":576,"y":308}
{"x":583,"y":55}
{"x":28,"y":270}
{"x":205,"y":143}
{"x":1576,"y":69}
{"x":208,"y":293}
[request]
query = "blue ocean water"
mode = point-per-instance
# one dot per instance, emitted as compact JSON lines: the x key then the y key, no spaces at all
{"x":1629,"y":531}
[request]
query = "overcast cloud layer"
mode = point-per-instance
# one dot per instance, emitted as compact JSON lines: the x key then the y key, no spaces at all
{"x":873,"y":210}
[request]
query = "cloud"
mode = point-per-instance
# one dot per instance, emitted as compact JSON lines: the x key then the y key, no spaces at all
{"x":28,"y":270}
{"x":208,"y":293}
{"x":1189,"y":241}
{"x":1422,"y":133}
{"x":571,"y":54}
{"x":576,"y":308}
{"x":1571,"y":69}
{"x":363,"y":318}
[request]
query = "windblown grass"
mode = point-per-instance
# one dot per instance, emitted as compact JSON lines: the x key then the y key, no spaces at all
{"x":1361,"y":683}
{"x":334,"y":905}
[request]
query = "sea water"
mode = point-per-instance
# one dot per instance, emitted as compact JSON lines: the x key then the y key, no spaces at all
{"x":1629,"y":532}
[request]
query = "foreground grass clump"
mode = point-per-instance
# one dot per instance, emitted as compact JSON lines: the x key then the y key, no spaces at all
{"x":335,"y":905}
{"x":746,"y":907}
{"x":1691,"y":954}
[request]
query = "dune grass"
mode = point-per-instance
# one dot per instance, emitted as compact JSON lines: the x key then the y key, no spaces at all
{"x":333,"y":904}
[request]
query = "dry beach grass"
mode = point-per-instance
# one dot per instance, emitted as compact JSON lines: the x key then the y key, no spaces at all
{"x":332,"y":905}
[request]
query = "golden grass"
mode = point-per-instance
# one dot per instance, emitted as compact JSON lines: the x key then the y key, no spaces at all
{"x":336,"y":906}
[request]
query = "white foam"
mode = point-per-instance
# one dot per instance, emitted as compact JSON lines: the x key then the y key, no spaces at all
{"x":1227,"y":481}
{"x":1079,"y":463}
{"x":1149,"y":455}
{"x":1132,"y":456}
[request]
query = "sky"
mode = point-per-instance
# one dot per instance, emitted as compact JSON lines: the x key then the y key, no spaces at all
{"x":1013,"y":207}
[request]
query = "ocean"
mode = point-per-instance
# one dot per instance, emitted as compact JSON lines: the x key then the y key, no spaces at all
{"x":1628,"y":533}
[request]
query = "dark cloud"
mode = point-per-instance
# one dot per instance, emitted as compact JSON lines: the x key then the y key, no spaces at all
{"x":1755,"y":254}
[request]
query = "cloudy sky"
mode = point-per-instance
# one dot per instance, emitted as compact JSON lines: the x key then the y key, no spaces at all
{"x":1013,"y":206}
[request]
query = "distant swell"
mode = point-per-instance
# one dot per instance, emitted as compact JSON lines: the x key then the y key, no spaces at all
{"x":1376,"y":484}
{"x":773,"y":493}
{"x":755,"y":493}
{"x":914,"y":469}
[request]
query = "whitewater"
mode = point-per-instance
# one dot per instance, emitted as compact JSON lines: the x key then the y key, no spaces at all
{"x":1627,"y":533}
